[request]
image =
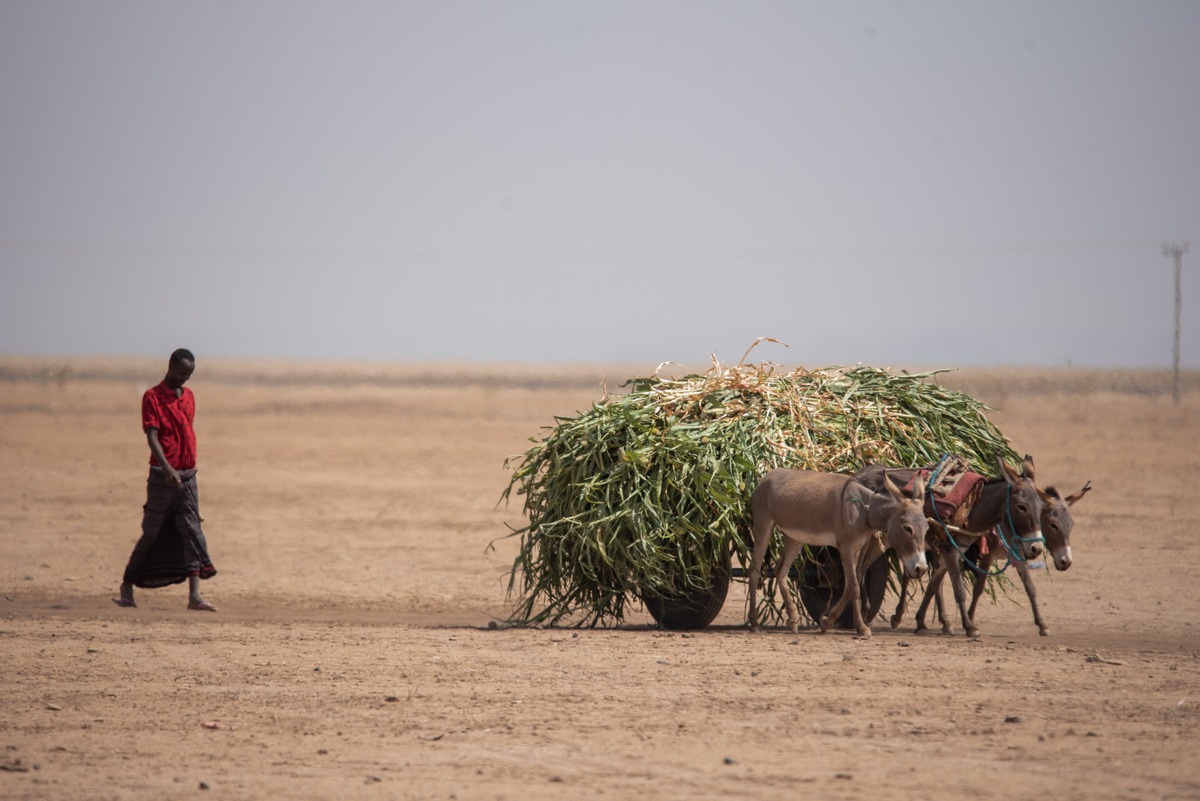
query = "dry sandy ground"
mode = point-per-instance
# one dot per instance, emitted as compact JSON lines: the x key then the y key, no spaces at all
{"x":350,"y":510}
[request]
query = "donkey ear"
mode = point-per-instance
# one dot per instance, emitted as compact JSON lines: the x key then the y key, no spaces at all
{"x":918,"y":490}
{"x":1027,"y":469}
{"x":891,"y":487}
{"x":1010,"y":475}
{"x":1072,"y":498}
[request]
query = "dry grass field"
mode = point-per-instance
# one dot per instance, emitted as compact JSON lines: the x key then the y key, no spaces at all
{"x":352,"y":511}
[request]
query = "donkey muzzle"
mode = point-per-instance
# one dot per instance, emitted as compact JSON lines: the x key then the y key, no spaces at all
{"x":1062,"y":558}
{"x":915,"y":565}
{"x":1032,"y":550}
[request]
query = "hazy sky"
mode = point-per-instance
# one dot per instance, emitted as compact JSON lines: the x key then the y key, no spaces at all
{"x":896,"y":183}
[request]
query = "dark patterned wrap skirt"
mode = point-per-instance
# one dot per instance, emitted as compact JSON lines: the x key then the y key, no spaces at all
{"x":172,"y":546}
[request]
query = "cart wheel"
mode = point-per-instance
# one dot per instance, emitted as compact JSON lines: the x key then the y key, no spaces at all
{"x":693,"y":607}
{"x":820,"y":580}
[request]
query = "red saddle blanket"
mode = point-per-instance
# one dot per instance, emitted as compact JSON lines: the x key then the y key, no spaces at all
{"x":951,"y":501}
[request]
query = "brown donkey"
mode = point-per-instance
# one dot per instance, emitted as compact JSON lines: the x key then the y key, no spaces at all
{"x":831,"y":509}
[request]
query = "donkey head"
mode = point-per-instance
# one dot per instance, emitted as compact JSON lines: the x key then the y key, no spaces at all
{"x":907,"y":525}
{"x":1024,"y":508}
{"x":1057,"y":523}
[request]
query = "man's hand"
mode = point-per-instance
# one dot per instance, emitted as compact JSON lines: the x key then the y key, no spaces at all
{"x":173,"y":477}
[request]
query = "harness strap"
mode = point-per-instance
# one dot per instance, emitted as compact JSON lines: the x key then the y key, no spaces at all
{"x":1011,"y":549}
{"x":976,"y":568}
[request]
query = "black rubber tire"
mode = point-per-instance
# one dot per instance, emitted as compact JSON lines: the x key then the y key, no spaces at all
{"x":691,"y":608}
{"x":819,"y":581}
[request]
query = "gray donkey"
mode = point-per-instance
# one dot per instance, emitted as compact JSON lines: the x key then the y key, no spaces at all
{"x":1057,"y":524}
{"x":831,"y":509}
{"x":1012,"y":501}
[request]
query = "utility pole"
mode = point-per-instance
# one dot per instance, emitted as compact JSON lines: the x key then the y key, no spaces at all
{"x":1177,"y":251}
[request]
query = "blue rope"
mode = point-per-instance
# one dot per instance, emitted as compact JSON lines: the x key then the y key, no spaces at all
{"x":976,"y":568}
{"x":933,"y":474}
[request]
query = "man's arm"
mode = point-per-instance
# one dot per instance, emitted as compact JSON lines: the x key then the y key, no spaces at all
{"x":156,"y":449}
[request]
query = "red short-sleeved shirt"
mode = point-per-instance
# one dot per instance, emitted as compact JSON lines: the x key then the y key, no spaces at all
{"x":172,"y":415}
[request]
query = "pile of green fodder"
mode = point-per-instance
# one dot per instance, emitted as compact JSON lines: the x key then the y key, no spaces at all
{"x":649,"y":492}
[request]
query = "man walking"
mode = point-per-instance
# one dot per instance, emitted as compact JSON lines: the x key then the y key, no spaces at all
{"x":172,"y":548}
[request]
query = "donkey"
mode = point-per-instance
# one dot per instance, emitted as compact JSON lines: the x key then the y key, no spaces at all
{"x":1057,"y":523}
{"x":1013,"y":501}
{"x":813,"y":508}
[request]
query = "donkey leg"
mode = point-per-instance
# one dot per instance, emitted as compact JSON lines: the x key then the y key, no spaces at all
{"x":902,"y":604}
{"x":761,"y":533}
{"x":960,"y":596}
{"x":791,"y":549}
{"x":1031,"y":591}
{"x":850,"y":595}
{"x":931,"y":593}
{"x":940,"y":604}
{"x":979,"y":582}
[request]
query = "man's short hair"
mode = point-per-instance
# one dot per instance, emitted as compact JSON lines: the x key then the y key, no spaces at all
{"x":181,"y":355}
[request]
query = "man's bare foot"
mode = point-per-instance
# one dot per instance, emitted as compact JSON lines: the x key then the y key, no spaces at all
{"x":126,"y":599}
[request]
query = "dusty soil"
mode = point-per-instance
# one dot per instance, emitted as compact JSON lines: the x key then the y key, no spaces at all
{"x":352,"y":512}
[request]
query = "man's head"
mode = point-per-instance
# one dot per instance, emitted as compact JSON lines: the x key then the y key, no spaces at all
{"x":180,"y":367}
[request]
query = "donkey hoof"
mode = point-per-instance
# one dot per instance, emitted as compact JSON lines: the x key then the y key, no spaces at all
{"x":973,"y":633}
{"x":895,"y":621}
{"x":1044,"y":632}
